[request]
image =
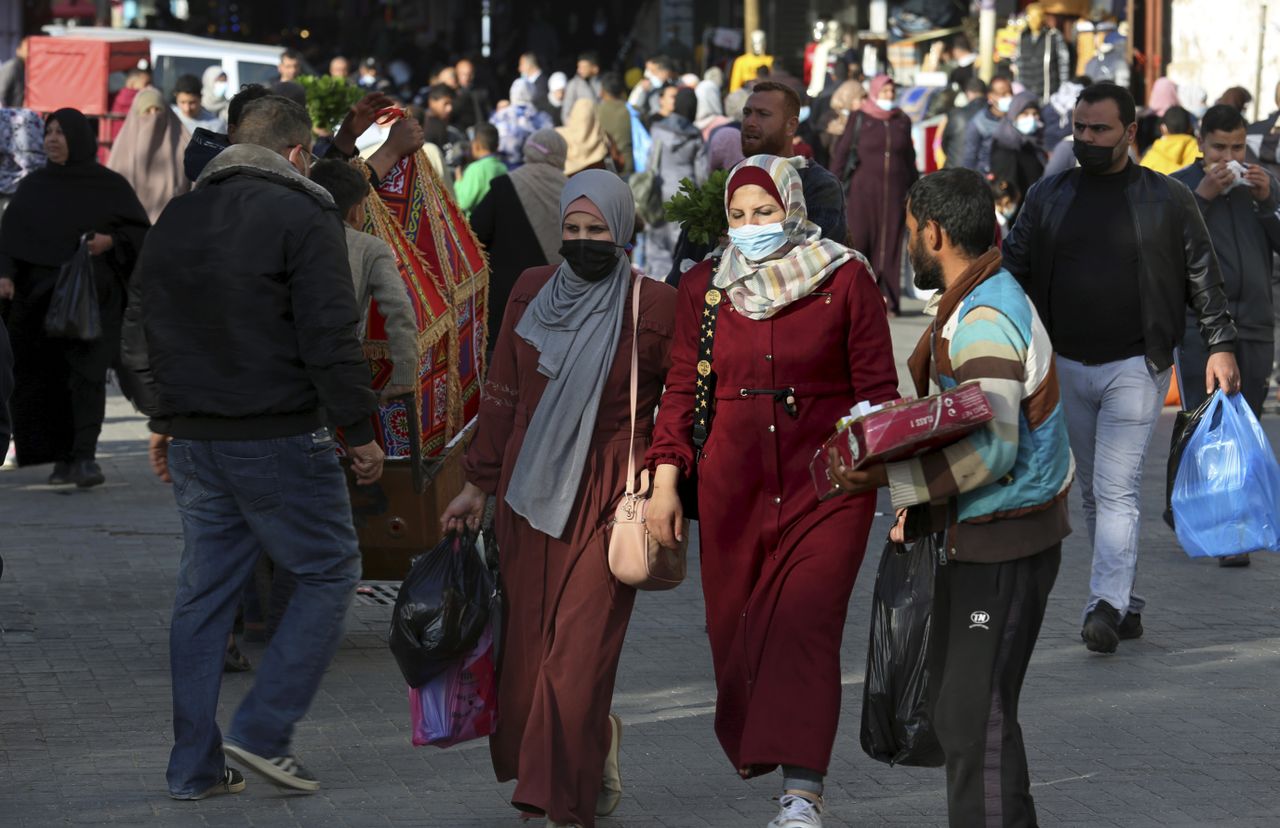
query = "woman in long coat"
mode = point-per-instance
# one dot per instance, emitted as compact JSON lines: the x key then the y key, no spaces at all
{"x":60,"y":395}
{"x":518,"y":220}
{"x":877,"y":190}
{"x":801,"y":336}
{"x":678,"y":152}
{"x":552,"y":447}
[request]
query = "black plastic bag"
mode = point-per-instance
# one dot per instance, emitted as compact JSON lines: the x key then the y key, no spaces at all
{"x":443,"y":607}
{"x":73,"y":309}
{"x":1184,"y":425}
{"x":895,"y":701}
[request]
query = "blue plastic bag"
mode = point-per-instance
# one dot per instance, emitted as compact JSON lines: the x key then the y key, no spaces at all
{"x":1226,"y":496}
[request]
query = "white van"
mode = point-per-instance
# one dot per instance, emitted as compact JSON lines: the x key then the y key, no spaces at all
{"x":174,"y":55}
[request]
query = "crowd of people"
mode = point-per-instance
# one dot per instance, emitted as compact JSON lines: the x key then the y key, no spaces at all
{"x":230,"y":261}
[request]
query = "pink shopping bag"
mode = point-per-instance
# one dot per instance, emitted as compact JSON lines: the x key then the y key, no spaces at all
{"x":461,"y":703}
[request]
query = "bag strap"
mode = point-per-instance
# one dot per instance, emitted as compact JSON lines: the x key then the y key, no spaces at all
{"x":635,"y":381}
{"x":705,"y":383}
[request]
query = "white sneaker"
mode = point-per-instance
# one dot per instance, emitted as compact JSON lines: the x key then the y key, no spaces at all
{"x":797,"y":812}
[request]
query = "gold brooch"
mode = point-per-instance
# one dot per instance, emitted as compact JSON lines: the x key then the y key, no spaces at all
{"x":712,"y":297}
{"x":704,"y":367}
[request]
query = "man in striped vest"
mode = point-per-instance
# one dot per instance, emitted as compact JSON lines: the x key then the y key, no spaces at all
{"x":1002,"y":489}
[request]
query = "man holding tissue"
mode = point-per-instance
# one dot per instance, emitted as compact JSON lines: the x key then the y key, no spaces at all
{"x":1000,"y":493}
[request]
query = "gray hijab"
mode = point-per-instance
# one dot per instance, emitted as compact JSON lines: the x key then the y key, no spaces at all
{"x":575,"y":326}
{"x":538,"y":184}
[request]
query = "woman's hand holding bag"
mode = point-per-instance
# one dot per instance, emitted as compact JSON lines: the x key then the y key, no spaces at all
{"x":636,"y":556}
{"x":665,"y":514}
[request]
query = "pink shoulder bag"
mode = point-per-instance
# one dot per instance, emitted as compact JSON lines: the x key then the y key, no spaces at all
{"x":635,"y":556}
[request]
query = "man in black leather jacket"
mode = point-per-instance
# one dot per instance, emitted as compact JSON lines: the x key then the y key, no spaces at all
{"x":1112,"y":255}
{"x":955,"y":133}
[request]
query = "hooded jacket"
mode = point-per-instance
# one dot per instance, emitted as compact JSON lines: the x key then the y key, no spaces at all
{"x":978,"y":138}
{"x":1246,"y":234}
{"x":242,"y":316}
{"x":1171,"y":153}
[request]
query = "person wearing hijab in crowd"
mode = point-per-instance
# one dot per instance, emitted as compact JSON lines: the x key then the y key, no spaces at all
{"x":845,"y":101}
{"x":1017,"y":154}
{"x":61,"y":394}
{"x":801,"y":336}
{"x":149,"y":152}
{"x":724,"y":151}
{"x":710,"y":114}
{"x":588,"y":145}
{"x":877,"y":189}
{"x":518,"y":221}
{"x":517,"y":121}
{"x":552,"y":446}
{"x":213,"y":96}
{"x":1164,"y":94}
{"x":678,"y":152}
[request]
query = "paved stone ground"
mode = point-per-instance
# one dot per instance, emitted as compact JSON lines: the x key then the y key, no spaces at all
{"x":1180,"y":728}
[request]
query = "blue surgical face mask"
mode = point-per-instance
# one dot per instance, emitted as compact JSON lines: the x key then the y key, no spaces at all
{"x":758,"y":241}
{"x":1004,"y":103}
{"x":1027,"y":124}
{"x":887,"y":106}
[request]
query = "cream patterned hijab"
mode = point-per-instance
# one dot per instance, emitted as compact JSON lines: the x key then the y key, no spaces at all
{"x":758,"y":290}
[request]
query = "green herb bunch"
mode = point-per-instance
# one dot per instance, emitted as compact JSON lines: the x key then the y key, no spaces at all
{"x":329,"y":99}
{"x":700,"y":210}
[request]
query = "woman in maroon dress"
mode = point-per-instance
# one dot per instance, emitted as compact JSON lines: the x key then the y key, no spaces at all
{"x":877,"y":190}
{"x":801,"y":336}
{"x":552,"y":445}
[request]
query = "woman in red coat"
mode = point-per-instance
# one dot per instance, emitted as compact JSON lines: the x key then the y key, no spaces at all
{"x":801,"y":336}
{"x":877,"y":190}
{"x":552,"y":445}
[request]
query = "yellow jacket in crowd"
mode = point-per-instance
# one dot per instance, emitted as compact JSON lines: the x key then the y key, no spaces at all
{"x":1171,"y":153}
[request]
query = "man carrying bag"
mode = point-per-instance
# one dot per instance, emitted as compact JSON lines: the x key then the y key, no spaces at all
{"x":1003,"y":490}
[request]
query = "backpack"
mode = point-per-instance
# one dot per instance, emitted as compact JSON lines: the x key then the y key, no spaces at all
{"x":646,"y":189}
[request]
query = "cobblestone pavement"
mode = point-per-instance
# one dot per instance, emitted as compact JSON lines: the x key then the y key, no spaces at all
{"x":1180,"y":728}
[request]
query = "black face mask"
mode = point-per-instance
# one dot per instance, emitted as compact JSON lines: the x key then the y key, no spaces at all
{"x":590,"y":259}
{"x":1093,"y":159}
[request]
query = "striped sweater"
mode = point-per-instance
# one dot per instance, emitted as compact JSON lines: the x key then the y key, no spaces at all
{"x":1008,"y":479}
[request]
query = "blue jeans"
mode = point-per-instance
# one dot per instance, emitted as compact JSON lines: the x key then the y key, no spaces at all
{"x":287,"y":498}
{"x":1111,"y":412}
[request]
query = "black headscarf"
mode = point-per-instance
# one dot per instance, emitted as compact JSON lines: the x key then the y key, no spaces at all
{"x":54,"y":206}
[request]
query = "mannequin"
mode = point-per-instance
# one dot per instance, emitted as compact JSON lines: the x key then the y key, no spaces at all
{"x":1044,"y":61}
{"x":823,"y":56}
{"x":810,"y":48}
{"x":745,"y":66}
{"x":1108,"y":61}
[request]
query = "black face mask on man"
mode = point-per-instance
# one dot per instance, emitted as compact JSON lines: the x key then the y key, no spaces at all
{"x":590,"y":259}
{"x":1094,"y":159}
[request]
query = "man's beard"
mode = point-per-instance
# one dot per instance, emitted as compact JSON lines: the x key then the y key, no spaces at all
{"x":928,"y":272}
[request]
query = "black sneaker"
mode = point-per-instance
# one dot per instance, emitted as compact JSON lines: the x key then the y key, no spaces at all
{"x":61,"y":474}
{"x":1234,"y":560}
{"x":284,"y":771}
{"x":86,"y":474}
{"x":1130,"y":627}
{"x":1100,"y":631}
{"x":232,"y":782}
